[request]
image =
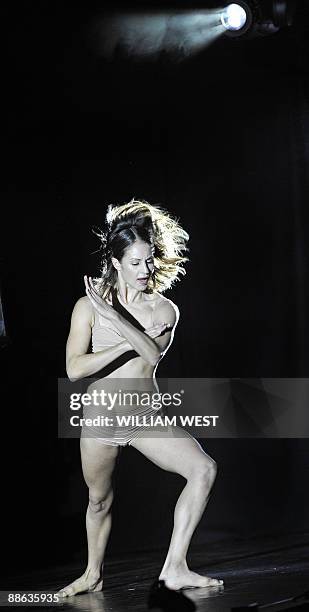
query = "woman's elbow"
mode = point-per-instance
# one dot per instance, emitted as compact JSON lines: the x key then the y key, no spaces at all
{"x":73,"y":378}
{"x":72,"y":374}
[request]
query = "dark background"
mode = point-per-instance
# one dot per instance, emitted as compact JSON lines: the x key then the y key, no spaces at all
{"x":221,"y":140}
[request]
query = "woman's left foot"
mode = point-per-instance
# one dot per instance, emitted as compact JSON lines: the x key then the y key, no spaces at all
{"x":185,"y":579}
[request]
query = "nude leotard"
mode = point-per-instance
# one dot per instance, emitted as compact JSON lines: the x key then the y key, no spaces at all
{"x":105,"y":335}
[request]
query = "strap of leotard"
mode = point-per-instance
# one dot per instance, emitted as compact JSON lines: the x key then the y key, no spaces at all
{"x":124,"y":312}
{"x":128,"y":355}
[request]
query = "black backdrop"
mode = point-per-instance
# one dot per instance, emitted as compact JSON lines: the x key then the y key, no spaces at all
{"x":222,"y":141}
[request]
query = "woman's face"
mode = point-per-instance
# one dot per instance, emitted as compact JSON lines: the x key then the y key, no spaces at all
{"x":136,"y":265}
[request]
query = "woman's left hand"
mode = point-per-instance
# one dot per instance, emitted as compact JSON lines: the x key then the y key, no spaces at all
{"x":101,"y":306}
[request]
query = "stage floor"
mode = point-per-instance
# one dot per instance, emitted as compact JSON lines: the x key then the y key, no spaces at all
{"x":259,"y":570}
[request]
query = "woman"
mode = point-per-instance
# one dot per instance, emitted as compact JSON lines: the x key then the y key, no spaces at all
{"x":132,"y":326}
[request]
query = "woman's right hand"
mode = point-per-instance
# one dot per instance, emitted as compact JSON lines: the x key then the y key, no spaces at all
{"x":102,"y":306}
{"x":157,"y":330}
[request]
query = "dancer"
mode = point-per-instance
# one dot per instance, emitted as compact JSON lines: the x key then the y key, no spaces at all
{"x":132,"y":326}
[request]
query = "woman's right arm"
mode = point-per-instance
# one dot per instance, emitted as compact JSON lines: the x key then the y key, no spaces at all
{"x":79,"y":364}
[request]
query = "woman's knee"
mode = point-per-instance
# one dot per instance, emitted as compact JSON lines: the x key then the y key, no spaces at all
{"x":204,"y":470}
{"x":100,"y":502}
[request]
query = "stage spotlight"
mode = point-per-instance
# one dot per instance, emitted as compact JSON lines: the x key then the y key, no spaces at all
{"x":236,"y":18}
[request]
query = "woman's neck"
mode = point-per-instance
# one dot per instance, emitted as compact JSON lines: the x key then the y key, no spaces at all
{"x":127,"y":294}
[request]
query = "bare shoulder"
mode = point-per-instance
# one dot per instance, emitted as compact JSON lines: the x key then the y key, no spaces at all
{"x":83,"y":310}
{"x":83,"y":304}
{"x":165,"y":307}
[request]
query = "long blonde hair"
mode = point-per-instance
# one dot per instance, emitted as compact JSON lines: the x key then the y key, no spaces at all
{"x":152,"y":224}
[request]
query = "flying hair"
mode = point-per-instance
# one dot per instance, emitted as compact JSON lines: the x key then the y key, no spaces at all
{"x":139,"y":220}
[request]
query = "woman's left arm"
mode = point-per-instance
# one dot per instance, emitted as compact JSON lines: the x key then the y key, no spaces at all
{"x":143,"y":342}
{"x":140,"y":341}
{"x":166,"y":315}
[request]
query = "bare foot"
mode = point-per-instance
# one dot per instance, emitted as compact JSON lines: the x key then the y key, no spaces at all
{"x":87,"y":583}
{"x":185,"y":579}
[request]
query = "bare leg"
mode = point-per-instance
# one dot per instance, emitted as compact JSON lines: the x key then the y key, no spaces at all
{"x":185,"y":456}
{"x":98,"y":461}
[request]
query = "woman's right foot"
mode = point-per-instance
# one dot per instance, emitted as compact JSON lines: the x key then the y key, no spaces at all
{"x":87,"y":583}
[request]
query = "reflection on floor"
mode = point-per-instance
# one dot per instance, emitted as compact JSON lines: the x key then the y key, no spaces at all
{"x":255,"y":570}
